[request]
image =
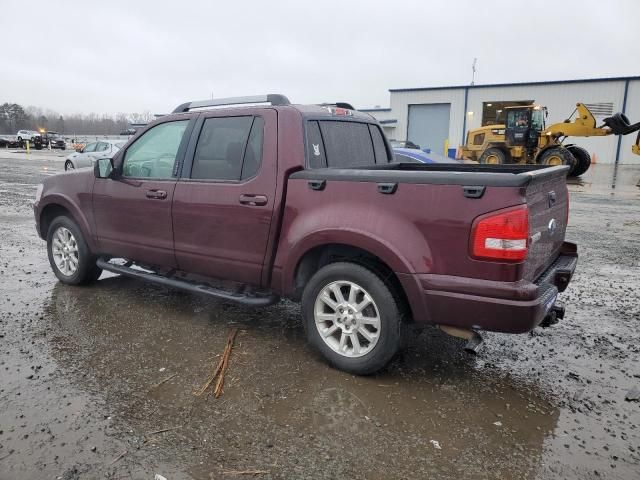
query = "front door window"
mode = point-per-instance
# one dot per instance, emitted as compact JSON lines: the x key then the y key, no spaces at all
{"x":153,"y":155}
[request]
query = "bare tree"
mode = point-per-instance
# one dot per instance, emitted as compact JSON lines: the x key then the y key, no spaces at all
{"x":14,"y":117}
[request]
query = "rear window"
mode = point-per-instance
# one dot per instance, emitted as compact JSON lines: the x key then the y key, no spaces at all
{"x":340,"y":144}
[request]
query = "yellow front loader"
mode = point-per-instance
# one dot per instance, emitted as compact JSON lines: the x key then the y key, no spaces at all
{"x":524,"y":138}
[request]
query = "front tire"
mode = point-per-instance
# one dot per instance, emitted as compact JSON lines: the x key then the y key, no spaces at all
{"x":352,"y":317}
{"x":556,"y":156}
{"x":493,"y":156}
{"x":69,"y":256}
{"x":68,"y":165}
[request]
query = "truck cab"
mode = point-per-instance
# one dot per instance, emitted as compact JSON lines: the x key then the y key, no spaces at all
{"x":523,"y":126}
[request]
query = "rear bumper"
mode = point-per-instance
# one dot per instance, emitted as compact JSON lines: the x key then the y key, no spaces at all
{"x":510,"y":307}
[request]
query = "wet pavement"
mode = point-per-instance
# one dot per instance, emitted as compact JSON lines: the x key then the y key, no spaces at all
{"x":91,"y":376}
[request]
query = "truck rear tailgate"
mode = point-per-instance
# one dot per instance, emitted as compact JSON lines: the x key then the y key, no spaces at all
{"x":548,"y":203}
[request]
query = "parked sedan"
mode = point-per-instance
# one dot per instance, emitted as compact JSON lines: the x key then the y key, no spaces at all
{"x":411,"y":155}
{"x":92,"y":151}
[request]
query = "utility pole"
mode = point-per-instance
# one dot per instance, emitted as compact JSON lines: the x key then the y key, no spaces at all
{"x":473,"y":71}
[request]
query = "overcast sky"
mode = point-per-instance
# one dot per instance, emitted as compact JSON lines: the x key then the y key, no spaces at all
{"x":133,"y":56}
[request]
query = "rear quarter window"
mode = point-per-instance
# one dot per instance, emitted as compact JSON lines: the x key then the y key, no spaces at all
{"x":378,"y":145}
{"x":347,"y":144}
{"x":315,"y":146}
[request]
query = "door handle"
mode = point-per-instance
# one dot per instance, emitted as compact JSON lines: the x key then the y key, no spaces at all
{"x":253,"y":200}
{"x":157,"y":194}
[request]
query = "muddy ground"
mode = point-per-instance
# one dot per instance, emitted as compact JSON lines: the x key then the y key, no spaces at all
{"x":81,"y":371}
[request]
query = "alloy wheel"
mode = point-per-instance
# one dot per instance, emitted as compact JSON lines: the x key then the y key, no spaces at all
{"x":64,"y":249}
{"x":347,"y":318}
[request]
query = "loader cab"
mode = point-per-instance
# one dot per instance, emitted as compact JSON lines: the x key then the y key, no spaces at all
{"x":524,"y":125}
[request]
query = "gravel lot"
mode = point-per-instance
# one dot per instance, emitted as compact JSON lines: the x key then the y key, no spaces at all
{"x":81,"y":392}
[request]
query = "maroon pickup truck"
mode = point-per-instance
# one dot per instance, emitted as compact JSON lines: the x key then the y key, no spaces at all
{"x":264,"y":199}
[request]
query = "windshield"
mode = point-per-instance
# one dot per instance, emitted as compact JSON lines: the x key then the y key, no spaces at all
{"x":537,"y":120}
{"x":518,"y":118}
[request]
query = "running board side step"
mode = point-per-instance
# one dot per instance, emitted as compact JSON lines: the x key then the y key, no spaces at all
{"x":248,"y":300}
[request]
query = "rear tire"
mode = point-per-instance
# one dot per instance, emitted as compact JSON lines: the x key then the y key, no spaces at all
{"x":352,"y":317}
{"x":494,"y":156}
{"x":583,"y":160}
{"x":69,"y":256}
{"x":556,"y":156}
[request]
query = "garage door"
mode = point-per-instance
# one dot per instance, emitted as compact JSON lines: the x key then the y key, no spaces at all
{"x":429,"y":125}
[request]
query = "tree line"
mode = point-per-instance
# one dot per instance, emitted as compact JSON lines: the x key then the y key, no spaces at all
{"x":14,"y":117}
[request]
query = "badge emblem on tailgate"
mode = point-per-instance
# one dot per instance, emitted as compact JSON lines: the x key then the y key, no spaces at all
{"x":552,"y":226}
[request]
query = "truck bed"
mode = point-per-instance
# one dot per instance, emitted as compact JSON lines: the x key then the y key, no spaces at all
{"x":419,"y":220}
{"x":427,"y":211}
{"x":462,"y":174}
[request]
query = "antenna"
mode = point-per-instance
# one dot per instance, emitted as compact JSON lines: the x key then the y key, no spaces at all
{"x":473,"y":71}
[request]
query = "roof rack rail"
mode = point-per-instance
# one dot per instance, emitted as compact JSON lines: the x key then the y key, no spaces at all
{"x":346,"y":105}
{"x":272,"y":98}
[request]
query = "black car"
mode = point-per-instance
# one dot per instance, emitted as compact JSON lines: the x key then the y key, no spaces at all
{"x":53,"y":139}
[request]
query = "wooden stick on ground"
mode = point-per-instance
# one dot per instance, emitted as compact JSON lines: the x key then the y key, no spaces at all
{"x":162,"y":431}
{"x":119,"y":457}
{"x":245,"y":472}
{"x":163,"y":381}
{"x":221,"y":368}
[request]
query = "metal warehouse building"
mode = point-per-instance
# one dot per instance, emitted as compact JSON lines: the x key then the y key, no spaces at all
{"x":440,"y":117}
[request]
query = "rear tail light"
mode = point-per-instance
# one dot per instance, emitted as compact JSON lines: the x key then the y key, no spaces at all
{"x":501,"y":235}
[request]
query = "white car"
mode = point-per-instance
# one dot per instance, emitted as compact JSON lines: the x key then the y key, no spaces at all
{"x":91,"y":152}
{"x":24,"y":135}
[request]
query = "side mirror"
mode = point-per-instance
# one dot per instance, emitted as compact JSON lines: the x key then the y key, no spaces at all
{"x":103,"y":167}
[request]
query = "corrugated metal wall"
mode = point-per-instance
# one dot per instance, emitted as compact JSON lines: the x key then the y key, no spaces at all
{"x":560,"y":98}
{"x":400,"y":102}
{"x":633,"y":112}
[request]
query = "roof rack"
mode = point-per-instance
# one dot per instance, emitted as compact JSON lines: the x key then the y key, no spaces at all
{"x":346,"y":105}
{"x":272,"y":98}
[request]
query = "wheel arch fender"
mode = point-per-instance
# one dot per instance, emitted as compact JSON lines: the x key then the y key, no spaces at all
{"x":341,"y":237}
{"x":57,"y":204}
